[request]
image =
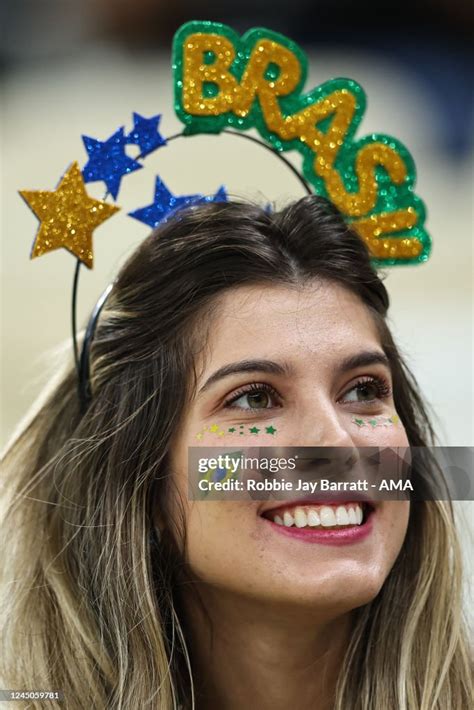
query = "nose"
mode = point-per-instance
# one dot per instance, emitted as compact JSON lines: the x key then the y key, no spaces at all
{"x":324,"y":442}
{"x":323,"y":427}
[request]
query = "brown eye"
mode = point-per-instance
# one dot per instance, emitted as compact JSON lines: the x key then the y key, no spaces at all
{"x":258,"y":400}
{"x":367,"y":391}
{"x":255,"y":397}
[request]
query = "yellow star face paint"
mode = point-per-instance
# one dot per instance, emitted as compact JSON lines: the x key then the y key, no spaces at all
{"x":221,"y":430}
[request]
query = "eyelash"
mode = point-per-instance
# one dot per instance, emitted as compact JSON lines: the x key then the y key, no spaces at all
{"x":381,"y":384}
{"x":253,"y":387}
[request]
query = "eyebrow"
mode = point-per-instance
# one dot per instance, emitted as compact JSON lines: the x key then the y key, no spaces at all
{"x":362,"y":359}
{"x":270,"y":367}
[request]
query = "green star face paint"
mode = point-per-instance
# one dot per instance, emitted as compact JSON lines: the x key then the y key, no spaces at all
{"x":220,"y":430}
{"x":372,"y":422}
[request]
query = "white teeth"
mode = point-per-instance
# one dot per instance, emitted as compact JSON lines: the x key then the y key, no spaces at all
{"x":342,"y":517}
{"x":352,"y":516}
{"x":328,"y":519}
{"x":300,"y":518}
{"x":313,"y":518}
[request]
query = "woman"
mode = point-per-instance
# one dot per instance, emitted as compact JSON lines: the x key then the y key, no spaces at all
{"x":124,"y":593}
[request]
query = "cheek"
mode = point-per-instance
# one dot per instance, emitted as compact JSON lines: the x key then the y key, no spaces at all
{"x":368,"y":435}
{"x":394,"y":517}
{"x":219,"y":540}
{"x":391,"y":529}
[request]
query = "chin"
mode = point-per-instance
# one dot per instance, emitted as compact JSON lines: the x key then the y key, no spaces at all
{"x":329,"y":592}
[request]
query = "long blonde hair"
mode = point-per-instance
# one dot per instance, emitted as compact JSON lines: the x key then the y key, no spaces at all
{"x":89,"y":590}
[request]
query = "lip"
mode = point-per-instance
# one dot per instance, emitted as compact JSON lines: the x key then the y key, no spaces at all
{"x":326,"y":536}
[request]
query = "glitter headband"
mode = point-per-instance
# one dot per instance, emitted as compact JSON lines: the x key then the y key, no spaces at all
{"x":227,"y":83}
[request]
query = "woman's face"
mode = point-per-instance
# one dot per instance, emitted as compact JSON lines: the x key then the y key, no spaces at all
{"x":302,"y":391}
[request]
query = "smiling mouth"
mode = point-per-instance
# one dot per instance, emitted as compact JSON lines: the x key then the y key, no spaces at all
{"x":312,"y":516}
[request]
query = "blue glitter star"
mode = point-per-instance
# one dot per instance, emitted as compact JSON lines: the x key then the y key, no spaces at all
{"x":145,"y":134}
{"x":220,"y":196}
{"x":108,"y":161}
{"x":163,"y":205}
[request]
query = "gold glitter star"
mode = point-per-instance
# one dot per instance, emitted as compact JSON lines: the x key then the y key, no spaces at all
{"x":214,"y":428}
{"x":68,"y":216}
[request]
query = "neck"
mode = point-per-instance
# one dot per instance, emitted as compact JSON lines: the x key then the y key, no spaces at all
{"x":245,"y":653}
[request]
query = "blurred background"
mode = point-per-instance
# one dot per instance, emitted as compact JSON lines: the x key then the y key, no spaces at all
{"x":71,"y":67}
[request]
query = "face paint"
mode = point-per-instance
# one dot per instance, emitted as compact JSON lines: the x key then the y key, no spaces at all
{"x":373,"y":422}
{"x":221,"y":431}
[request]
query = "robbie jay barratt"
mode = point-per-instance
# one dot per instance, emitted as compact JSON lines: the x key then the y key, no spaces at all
{"x":323,"y":485}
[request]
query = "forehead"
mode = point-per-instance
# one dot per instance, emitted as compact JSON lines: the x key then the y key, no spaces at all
{"x":320,"y":320}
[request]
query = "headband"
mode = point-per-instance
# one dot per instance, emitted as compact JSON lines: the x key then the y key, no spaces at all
{"x":226,"y":83}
